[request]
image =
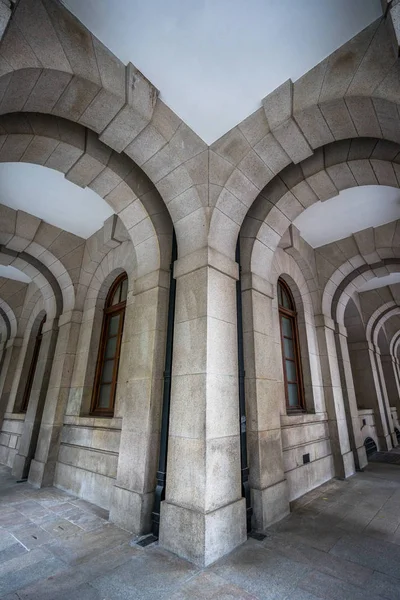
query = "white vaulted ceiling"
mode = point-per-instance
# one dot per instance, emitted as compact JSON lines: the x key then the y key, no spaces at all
{"x":378,"y":282}
{"x":214,"y":60}
{"x":46,"y":194}
{"x":9,"y":272}
{"x":352,"y":210}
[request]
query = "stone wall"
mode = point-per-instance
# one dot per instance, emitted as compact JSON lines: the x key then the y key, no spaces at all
{"x":369,"y":429}
{"x":304,"y":435}
{"x":10,"y":436}
{"x":88,"y":458}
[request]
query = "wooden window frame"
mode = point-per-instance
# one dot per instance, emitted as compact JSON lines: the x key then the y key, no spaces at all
{"x":291,"y":314}
{"x":108,"y":313}
{"x":32,"y":368}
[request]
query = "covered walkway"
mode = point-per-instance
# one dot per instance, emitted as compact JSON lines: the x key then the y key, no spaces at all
{"x":342,"y":541}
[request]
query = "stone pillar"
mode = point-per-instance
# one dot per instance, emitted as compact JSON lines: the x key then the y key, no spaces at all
{"x":29,"y":437}
{"x":42,"y":468}
{"x":367,"y":388}
{"x":203,"y":516}
{"x":5,"y":15}
{"x":349,"y":397}
{"x":384,"y":392}
{"x":339,"y":436}
{"x":391,"y":379}
{"x":139,"y":400}
{"x":12,"y":352}
{"x":265,"y":402}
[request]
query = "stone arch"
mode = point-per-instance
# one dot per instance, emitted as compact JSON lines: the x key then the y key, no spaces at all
{"x":75,"y":77}
{"x":330,"y":170}
{"x":56,"y":300}
{"x":352,"y":283}
{"x":9,"y":320}
{"x":77,"y":153}
{"x":378,"y":319}
{"x":351,"y":94}
{"x":26,"y":354}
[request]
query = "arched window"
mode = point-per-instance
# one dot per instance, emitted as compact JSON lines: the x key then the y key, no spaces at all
{"x":32,"y":368}
{"x":290,"y":349}
{"x":109,"y":350}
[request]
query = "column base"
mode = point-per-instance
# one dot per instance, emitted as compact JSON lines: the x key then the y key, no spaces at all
{"x":41,"y":474}
{"x":202,"y":538}
{"x":20,"y":469}
{"x":131,"y":510}
{"x":362,"y":457}
{"x":385,"y":443}
{"x":270,"y":505}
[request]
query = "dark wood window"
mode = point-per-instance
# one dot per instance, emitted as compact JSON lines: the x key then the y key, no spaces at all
{"x":110,"y":347}
{"x":290,"y":349}
{"x":32,"y":368}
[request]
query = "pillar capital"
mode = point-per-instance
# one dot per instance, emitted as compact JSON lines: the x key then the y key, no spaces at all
{"x":206,"y":257}
{"x":251,"y":281}
{"x":158,"y":278}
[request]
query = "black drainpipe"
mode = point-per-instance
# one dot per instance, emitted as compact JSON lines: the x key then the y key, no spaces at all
{"x":162,"y":461}
{"x":242,"y":397}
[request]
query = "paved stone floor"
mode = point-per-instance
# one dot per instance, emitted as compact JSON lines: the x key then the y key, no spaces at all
{"x":341,"y":542}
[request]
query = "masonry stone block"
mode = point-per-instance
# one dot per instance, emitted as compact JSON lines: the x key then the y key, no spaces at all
{"x":377,"y":62}
{"x":338,"y":119}
{"x":364,"y":117}
{"x":384,"y":172}
{"x":232,"y":146}
{"x":388,"y":118}
{"x":322,"y":185}
{"x":341,"y":176}
{"x":363,"y":172}
{"x":255,"y":127}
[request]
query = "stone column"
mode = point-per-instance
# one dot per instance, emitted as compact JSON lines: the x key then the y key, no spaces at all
{"x":203,"y":516}
{"x":367,"y":388}
{"x":349,"y":397}
{"x":339,"y":436}
{"x":12,"y":352}
{"x":384,"y":392}
{"x":265,"y":402}
{"x":391,"y":380}
{"x":5,"y":15}
{"x":42,"y":468}
{"x":139,"y":400}
{"x":29,"y":437}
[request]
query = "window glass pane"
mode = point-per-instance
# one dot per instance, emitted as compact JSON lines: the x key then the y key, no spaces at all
{"x":290,"y":370}
{"x":107,"y":371}
{"x":285,"y":300}
{"x":124,"y":290}
{"x":113,"y":325}
{"x":111,"y":347}
{"x":293,"y":395}
{"x":115,"y":298}
{"x":288,"y":348}
{"x":287,"y":327}
{"x":104,"y":396}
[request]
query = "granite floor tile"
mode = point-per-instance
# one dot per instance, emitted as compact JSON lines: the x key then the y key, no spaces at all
{"x":317,"y":559}
{"x":325,"y":586}
{"x":372,"y":553}
{"x":154,"y":574}
{"x":208,"y":586}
